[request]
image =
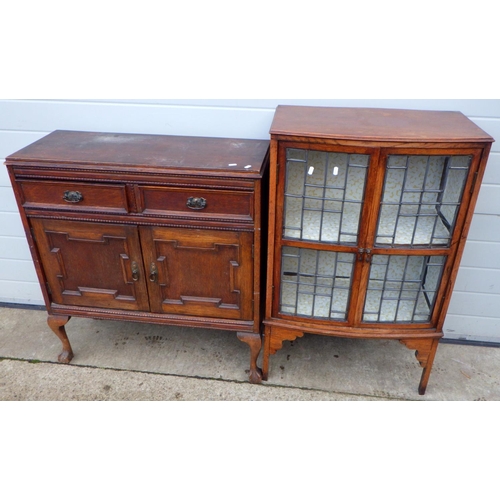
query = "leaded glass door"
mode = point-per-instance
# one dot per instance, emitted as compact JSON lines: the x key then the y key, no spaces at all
{"x":368,"y":235}
{"x":411,"y":246}
{"x":323,"y":199}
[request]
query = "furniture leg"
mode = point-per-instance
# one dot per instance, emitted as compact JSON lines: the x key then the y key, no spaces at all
{"x":274,"y":336}
{"x":254,"y":341}
{"x":56,"y":323}
{"x":425,"y":351}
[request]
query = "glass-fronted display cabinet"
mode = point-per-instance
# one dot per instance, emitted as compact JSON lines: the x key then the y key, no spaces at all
{"x":369,"y":213}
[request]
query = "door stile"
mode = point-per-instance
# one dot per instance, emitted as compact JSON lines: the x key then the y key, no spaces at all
{"x":149,"y":258}
{"x":271,"y":238}
{"x":278,"y":226}
{"x":369,"y":217}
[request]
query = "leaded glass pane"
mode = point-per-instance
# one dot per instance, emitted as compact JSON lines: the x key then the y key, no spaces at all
{"x":315,"y":283}
{"x":402,"y":288}
{"x":324,"y":195}
{"x":420,"y":200}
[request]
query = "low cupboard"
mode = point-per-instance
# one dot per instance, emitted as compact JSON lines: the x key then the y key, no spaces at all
{"x":150,"y":228}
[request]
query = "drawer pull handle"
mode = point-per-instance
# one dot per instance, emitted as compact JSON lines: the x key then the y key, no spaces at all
{"x":72,"y":196}
{"x":196,"y":203}
{"x":135,"y":271}
{"x":153,"y":273}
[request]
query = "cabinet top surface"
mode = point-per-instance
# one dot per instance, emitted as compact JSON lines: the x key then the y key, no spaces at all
{"x":376,"y":124}
{"x":141,"y":150}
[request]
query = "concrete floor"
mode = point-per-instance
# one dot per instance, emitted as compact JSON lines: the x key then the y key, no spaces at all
{"x":123,"y":361}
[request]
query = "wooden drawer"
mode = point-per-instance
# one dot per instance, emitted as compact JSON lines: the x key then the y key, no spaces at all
{"x":197,"y":203}
{"x":75,"y":196}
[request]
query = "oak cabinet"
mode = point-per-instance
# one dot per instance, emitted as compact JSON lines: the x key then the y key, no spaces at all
{"x":157,"y":229}
{"x":369,"y":211}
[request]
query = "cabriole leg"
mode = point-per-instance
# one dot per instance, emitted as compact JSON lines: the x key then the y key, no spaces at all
{"x":56,"y":323}
{"x":254,"y":341}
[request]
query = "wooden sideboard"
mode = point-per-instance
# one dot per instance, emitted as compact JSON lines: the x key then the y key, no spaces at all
{"x":146,"y":228}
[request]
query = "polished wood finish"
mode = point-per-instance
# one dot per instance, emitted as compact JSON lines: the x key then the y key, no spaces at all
{"x":220,"y":204}
{"x":378,"y":133}
{"x":91,"y":264}
{"x":254,"y":341}
{"x":376,"y":125}
{"x":199,"y":273}
{"x":146,"y":228}
{"x":56,"y":324}
{"x":47,"y":194}
{"x":425,"y":350}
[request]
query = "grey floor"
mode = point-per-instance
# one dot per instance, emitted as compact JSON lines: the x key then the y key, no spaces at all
{"x":123,"y":361}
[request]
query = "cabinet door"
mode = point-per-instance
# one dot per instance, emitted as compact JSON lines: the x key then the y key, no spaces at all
{"x":199,"y":272}
{"x":421,"y":209}
{"x":321,"y":225}
{"x":91,"y":264}
{"x":367,"y":236}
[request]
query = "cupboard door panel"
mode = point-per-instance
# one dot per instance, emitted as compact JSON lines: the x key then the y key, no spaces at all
{"x":91,"y":264}
{"x":199,"y":272}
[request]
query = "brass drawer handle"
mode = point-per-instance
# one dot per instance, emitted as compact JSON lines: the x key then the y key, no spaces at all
{"x":153,"y":273}
{"x":196,"y":203}
{"x":72,"y":196}
{"x":135,"y":271}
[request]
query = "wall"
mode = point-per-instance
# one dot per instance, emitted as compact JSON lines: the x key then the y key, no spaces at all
{"x":474,"y":312}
